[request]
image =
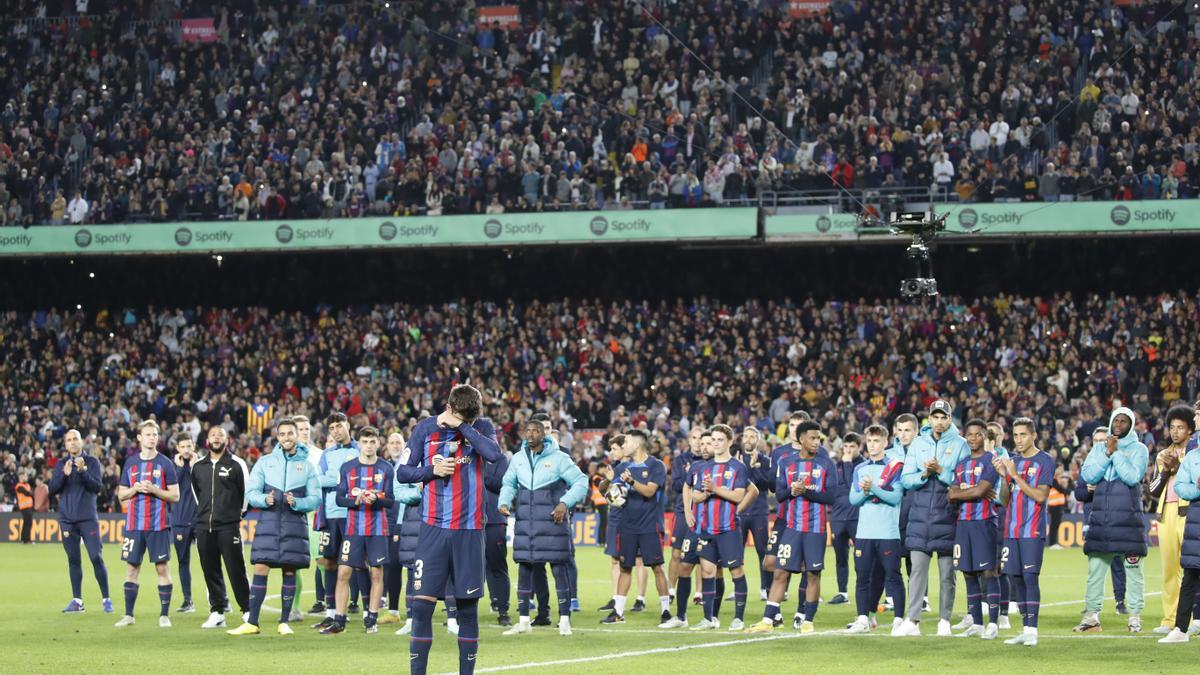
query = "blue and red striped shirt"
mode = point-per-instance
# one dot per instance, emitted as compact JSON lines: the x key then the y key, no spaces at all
{"x":367,"y":519}
{"x":1026,"y":517}
{"x":808,"y":512}
{"x":454,"y":503}
{"x":716,"y":515}
{"x":968,"y":474}
{"x":147,"y":513}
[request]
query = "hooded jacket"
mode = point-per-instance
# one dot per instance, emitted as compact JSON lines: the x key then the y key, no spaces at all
{"x":281,"y":537}
{"x":1116,"y":524}
{"x":931,"y":517}
{"x":1186,"y":488}
{"x":537,"y":483}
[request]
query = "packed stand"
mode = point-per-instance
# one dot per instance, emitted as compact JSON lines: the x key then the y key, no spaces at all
{"x":1061,"y":360}
{"x":410,"y":108}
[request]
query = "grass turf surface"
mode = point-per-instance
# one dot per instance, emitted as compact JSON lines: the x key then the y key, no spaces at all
{"x":34,"y":585}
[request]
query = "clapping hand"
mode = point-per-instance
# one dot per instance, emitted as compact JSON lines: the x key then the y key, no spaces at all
{"x":1010,"y":467}
{"x":1001,"y":469}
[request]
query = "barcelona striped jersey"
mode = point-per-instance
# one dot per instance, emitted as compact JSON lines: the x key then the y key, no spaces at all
{"x":716,"y":515}
{"x":368,"y":519}
{"x":454,"y":503}
{"x":1027,"y":518}
{"x":803,"y":513}
{"x":969,"y":473}
{"x":147,"y":513}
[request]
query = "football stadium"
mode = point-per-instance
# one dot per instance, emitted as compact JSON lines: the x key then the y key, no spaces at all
{"x":714,"y":336}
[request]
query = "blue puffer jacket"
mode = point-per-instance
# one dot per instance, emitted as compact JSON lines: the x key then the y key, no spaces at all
{"x":1116,"y":524}
{"x":1186,"y":487}
{"x":931,"y":517}
{"x":407,"y":511}
{"x":281,"y":537}
{"x":536,"y":484}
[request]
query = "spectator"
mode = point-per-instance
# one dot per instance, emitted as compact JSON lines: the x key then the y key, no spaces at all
{"x":1048,"y":188}
{"x":77,"y":210}
{"x":401,"y":99}
{"x":943,"y":173}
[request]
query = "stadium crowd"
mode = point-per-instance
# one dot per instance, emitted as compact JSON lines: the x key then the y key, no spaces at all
{"x":411,"y":108}
{"x":590,"y":365}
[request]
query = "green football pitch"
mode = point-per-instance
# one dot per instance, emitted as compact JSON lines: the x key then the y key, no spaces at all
{"x":37,"y":638}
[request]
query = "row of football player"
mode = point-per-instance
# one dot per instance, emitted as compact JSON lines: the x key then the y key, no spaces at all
{"x":714,"y":490}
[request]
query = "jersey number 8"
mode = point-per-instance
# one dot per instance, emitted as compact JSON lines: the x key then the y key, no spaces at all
{"x":346,"y":547}
{"x":687,"y":545}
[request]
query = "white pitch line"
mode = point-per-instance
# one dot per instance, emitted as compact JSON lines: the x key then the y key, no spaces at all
{"x":1080,"y":602}
{"x":647,"y":652}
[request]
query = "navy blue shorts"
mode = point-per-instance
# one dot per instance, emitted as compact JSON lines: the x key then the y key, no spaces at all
{"x":773,"y":539}
{"x":725,"y":549}
{"x":975,"y":546}
{"x":1023,"y":556}
{"x":87,"y":531}
{"x":679,"y":532}
{"x":332,"y":537}
{"x":800,"y":551}
{"x":361,"y":551}
{"x":137,"y":543}
{"x":645,"y":545}
{"x":449,"y":562}
{"x":611,"y":548}
{"x":690,"y":549}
